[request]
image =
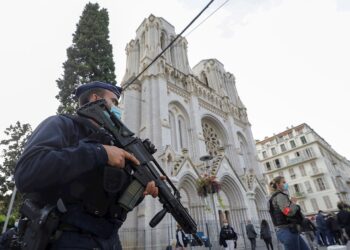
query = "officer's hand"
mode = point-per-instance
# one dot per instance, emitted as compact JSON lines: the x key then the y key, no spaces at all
{"x":151,"y":189}
{"x":118,"y":156}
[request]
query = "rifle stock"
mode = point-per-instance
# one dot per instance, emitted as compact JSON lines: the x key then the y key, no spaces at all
{"x":147,"y":171}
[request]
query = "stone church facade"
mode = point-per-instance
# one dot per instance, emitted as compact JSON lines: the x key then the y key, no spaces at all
{"x":188,"y":113}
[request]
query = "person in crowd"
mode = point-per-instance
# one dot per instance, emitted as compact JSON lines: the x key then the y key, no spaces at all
{"x":309,"y":230}
{"x":228,"y":236}
{"x":286,"y":215}
{"x":325,"y":232}
{"x":334,"y":228}
{"x":181,"y":239}
{"x":343,"y":218}
{"x":265,"y":234}
{"x":319,"y":236}
{"x":65,"y":162}
{"x":251,"y":234}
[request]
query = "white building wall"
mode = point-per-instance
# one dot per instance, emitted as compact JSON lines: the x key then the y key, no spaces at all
{"x":324,"y":168}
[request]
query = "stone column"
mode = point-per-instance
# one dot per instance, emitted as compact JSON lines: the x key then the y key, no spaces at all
{"x":252,"y":209}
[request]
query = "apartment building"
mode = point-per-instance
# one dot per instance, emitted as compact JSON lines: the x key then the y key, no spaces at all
{"x":317,"y":175}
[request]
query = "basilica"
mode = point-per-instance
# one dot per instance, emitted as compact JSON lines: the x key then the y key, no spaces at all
{"x":200,"y":128}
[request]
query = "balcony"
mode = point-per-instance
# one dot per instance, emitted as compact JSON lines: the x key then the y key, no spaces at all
{"x":316,"y":173}
{"x":338,"y":174}
{"x":299,"y":159}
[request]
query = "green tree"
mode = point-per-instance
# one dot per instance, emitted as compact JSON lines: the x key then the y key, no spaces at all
{"x":90,"y":57}
{"x":12,"y":147}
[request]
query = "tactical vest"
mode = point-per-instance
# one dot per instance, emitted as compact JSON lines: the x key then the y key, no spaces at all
{"x":278,"y":218}
{"x":229,"y":233}
{"x":97,"y":191}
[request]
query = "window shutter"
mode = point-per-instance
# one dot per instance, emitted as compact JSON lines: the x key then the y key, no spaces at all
{"x":316,"y":185}
{"x":326,"y":183}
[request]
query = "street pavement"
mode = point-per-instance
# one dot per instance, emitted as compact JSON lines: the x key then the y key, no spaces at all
{"x":325,"y":248}
{"x":280,"y":247}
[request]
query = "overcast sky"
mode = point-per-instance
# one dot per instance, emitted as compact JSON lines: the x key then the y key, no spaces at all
{"x":290,"y":57}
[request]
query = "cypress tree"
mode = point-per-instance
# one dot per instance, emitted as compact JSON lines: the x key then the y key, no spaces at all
{"x":90,"y":57}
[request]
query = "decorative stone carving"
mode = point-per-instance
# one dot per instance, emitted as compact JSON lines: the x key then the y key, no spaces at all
{"x":212,"y":138}
{"x":249,"y":179}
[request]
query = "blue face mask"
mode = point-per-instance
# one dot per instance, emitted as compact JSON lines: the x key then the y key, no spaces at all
{"x":285,"y":186}
{"x":117,"y":112}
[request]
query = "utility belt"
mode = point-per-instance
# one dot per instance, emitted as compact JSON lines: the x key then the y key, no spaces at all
{"x":39,"y":225}
{"x":36,"y":228}
{"x":77,"y":219}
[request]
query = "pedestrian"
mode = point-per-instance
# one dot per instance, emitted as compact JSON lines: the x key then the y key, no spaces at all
{"x":228,"y":236}
{"x":309,"y":229}
{"x":265,"y":234}
{"x":65,"y":162}
{"x":325,"y":232}
{"x":335,"y":229}
{"x":343,"y":218}
{"x":251,"y":234}
{"x":181,"y":239}
{"x":286,"y":215}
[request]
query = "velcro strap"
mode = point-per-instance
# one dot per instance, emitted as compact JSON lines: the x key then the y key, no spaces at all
{"x":286,"y":211}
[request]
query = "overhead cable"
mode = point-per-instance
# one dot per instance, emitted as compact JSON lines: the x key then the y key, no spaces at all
{"x":171,"y":43}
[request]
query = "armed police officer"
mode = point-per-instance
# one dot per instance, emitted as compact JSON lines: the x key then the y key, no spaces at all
{"x":66,"y":162}
{"x":286,"y":216}
{"x":228,"y":236}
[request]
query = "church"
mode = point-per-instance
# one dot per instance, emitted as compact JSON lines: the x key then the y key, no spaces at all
{"x":199,"y":125}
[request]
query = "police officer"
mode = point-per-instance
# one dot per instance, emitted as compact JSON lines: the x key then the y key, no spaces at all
{"x":286,"y":215}
{"x":181,"y":239}
{"x":66,"y":160}
{"x":228,"y":236}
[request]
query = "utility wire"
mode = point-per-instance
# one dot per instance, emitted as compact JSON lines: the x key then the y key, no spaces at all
{"x":207,"y":18}
{"x":161,"y":53}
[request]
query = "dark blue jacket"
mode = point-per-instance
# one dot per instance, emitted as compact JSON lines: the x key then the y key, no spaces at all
{"x":57,"y":153}
{"x":321,"y":222}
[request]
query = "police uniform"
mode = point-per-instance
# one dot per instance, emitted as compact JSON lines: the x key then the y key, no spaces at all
{"x":285,"y":217}
{"x":228,"y":237}
{"x":64,"y":159}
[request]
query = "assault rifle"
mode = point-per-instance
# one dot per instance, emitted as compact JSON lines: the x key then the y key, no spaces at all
{"x":146,"y":172}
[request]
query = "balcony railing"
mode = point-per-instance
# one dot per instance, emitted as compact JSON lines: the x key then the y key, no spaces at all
{"x":338,"y":174}
{"x":299,"y":159}
{"x":316,"y":173}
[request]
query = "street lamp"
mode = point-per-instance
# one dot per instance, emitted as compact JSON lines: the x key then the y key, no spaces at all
{"x":206,"y":159}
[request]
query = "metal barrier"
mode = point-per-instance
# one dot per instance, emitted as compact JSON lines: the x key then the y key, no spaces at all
{"x":164,"y":236}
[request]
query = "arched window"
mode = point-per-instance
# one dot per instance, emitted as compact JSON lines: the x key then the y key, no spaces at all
{"x":143,"y":45}
{"x":204,"y":78}
{"x":244,"y":150}
{"x":172,"y":52}
{"x":182,"y":132}
{"x":178,"y":120}
{"x":138,"y":51}
{"x":162,"y":41}
{"x":212,"y":137}
{"x":173,"y":130}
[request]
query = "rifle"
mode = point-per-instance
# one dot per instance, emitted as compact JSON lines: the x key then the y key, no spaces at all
{"x":146,"y":172}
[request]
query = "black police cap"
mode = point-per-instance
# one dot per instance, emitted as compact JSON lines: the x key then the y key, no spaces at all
{"x":101,"y":85}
